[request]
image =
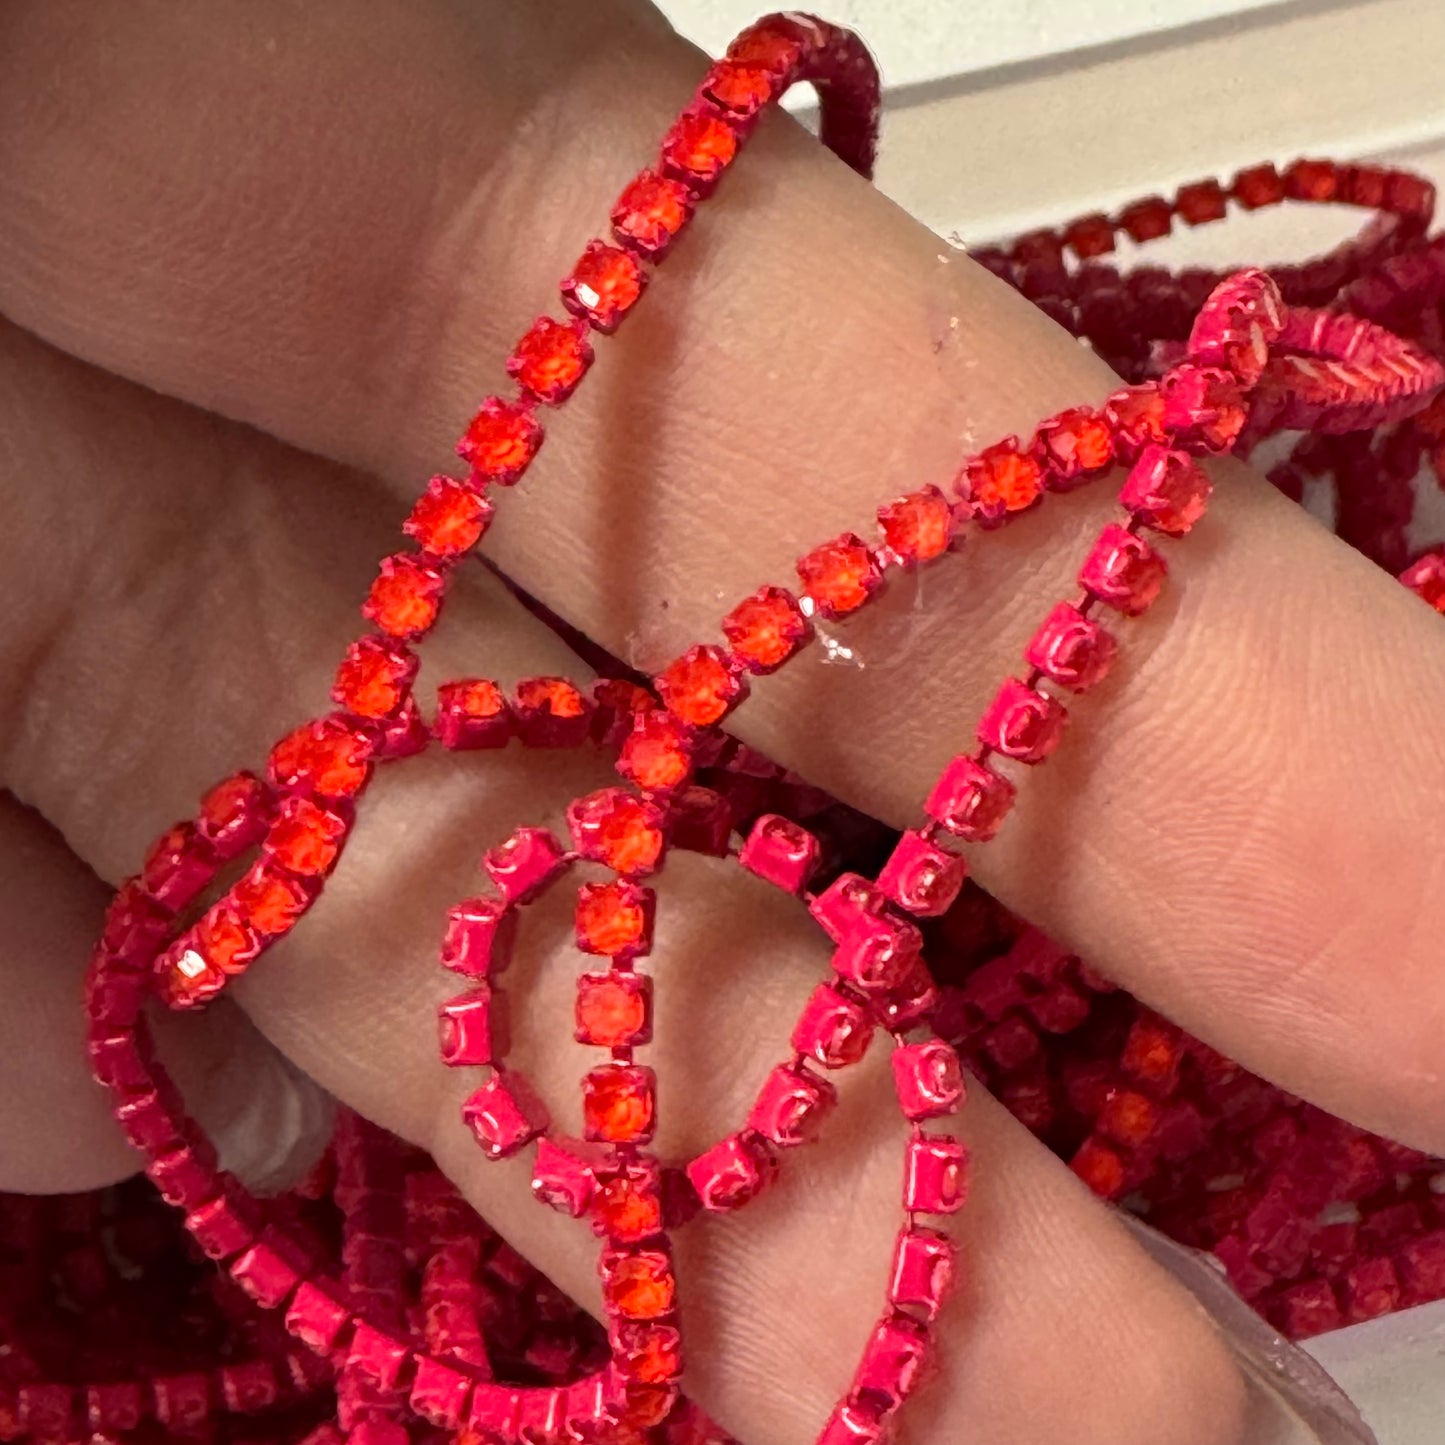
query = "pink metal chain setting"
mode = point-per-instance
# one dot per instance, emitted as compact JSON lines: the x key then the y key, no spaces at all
{"x":389,"y":1331}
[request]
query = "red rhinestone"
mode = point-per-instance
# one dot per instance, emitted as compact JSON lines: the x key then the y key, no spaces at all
{"x":1146,"y":220}
{"x":1257,"y":186}
{"x":604,"y":285}
{"x":1166,"y":490}
{"x":269,"y":900}
{"x":225,"y":940}
{"x":1153,"y":1053}
{"x":1364,"y":186}
{"x":918,"y":527}
{"x":619,"y":1104}
{"x":1426,"y":579}
{"x":551,"y":712}
{"x":699,"y":688}
{"x":551,"y":359}
{"x":656,"y":755}
{"x":648,"y":1353}
{"x":740,"y":89}
{"x":999,"y":481}
{"x":1100,"y":1168}
{"x":841,"y":575}
{"x":617,"y":828}
{"x":1129,"y":1118}
{"x":374,"y":678}
{"x":1074,"y":444}
{"x":1203,"y":404}
{"x":448,"y":518}
{"x":1136,"y":415}
{"x":627,"y":1209}
{"x":764,"y":630}
{"x":189,"y":979}
{"x":614,"y":919}
{"x":1090,"y":236}
{"x":325,"y":756}
{"x":306,"y":838}
{"x":501,"y":440}
{"x":614,"y":1010}
{"x":1123,"y":571}
{"x":638,"y":1286}
{"x":698,"y":148}
{"x":179,"y":865}
{"x":970,"y":800}
{"x":1201,"y":202}
{"x":1307,"y":180}
{"x":1408,"y":195}
{"x":473,"y":713}
{"x":406,"y":596}
{"x":650,"y":212}
{"x":774,"y":45}
{"x":233,"y":814}
{"x":1071,"y":650}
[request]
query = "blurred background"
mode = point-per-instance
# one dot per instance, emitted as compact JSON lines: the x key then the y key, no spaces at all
{"x":1003,"y":115}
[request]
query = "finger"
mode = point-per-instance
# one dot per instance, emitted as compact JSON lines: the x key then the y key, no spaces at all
{"x":57,"y":1132}
{"x":806,"y":353}
{"x":352,"y":994}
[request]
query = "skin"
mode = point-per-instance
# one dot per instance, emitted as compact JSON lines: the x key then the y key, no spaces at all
{"x":256,"y":265}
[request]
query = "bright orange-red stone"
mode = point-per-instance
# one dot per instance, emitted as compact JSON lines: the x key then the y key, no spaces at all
{"x":619,"y":1103}
{"x":604,"y":285}
{"x":1129,"y":1118}
{"x":1100,"y":1168}
{"x":305,"y":838}
{"x":1002,"y":479}
{"x":269,"y":901}
{"x":772,"y":45}
{"x":501,"y":440}
{"x":224,"y":940}
{"x":627,"y":1212}
{"x":551,"y":358}
{"x":764,"y":630}
{"x":478,"y":697}
{"x":326,"y":756}
{"x":617,"y":828}
{"x":612,"y":919}
{"x":699,"y":145}
{"x":655,"y":754}
{"x":1152,"y":1051}
{"x":1086,"y":437}
{"x":699,"y":688}
{"x":1138,"y":412}
{"x":743,"y":89}
{"x":640,"y":1286}
{"x":373,"y":678}
{"x":841,"y":575}
{"x":612,"y":1009}
{"x":651,"y":211}
{"x":448,"y":518}
{"x":918,"y":527}
{"x":554,"y":695}
{"x":405,"y":598}
{"x":230,"y":804}
{"x":650,"y":1353}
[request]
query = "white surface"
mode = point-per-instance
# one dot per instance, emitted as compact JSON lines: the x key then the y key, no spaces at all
{"x":1394,"y":1369}
{"x":923,"y":40}
{"x":1003,"y":146}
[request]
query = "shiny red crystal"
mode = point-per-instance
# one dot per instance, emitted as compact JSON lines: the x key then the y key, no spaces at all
{"x":604,"y":285}
{"x":764,"y":630}
{"x":405,"y":597}
{"x":699,"y":688}
{"x":619,"y":1104}
{"x":326,"y":757}
{"x":650,"y":212}
{"x":698,"y":148}
{"x":551,"y":358}
{"x":918,"y":527}
{"x":448,"y":518}
{"x":374,"y":678}
{"x":500,"y":440}
{"x":841,"y":575}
